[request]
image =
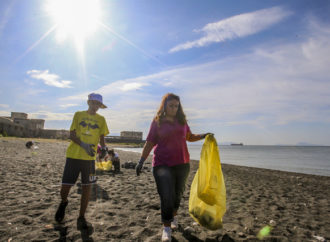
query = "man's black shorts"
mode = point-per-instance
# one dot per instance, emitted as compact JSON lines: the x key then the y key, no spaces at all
{"x":72,"y":169}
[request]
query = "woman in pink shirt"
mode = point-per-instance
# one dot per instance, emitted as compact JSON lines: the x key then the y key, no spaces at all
{"x":168,"y":134}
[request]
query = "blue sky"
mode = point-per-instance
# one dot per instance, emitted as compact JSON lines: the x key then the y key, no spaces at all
{"x":255,"y":72}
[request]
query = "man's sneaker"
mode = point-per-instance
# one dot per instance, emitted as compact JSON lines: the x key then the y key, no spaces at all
{"x":59,"y":216}
{"x":82,"y":223}
{"x":167,"y":233}
{"x":174,"y":223}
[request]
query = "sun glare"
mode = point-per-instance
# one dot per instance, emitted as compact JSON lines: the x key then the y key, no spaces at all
{"x":76,"y":19}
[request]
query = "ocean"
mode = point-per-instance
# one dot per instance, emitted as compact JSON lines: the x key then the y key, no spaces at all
{"x":313,"y":160}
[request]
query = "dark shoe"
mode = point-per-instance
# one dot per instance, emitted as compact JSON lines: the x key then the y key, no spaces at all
{"x":59,"y":216}
{"x":82,"y":223}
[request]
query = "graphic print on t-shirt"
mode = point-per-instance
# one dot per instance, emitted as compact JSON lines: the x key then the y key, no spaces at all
{"x":92,"y":126}
{"x":87,"y":124}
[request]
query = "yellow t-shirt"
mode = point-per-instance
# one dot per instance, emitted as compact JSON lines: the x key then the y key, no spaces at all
{"x":88,"y":128}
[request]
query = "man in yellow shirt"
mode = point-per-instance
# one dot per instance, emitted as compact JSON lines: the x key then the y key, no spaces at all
{"x":87,"y":129}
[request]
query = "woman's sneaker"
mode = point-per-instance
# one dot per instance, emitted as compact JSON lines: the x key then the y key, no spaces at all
{"x":60,"y":213}
{"x":174,"y":223}
{"x":167,"y":233}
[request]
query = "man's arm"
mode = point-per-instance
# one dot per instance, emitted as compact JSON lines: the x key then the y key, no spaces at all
{"x":102,"y":141}
{"x":87,"y":147}
{"x":104,"y":149}
{"x":74,"y":138}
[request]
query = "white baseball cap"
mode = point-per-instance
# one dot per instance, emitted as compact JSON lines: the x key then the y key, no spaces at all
{"x":96,"y":97}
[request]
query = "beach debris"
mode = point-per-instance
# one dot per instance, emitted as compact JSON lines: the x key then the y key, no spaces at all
{"x":129,"y":165}
{"x":265,"y":231}
{"x":319,"y":238}
{"x":29,"y":144}
{"x":49,"y":226}
{"x":188,"y":230}
{"x":272,"y":223}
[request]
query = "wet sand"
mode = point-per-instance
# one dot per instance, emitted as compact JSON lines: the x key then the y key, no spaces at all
{"x":124,"y":207}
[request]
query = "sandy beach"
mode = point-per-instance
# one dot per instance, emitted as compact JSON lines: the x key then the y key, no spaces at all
{"x":124,"y":207}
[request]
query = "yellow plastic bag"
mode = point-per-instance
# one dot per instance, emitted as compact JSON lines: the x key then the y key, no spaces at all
{"x":103,"y":165}
{"x":207,"y":201}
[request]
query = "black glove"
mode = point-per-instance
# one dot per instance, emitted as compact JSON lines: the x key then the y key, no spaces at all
{"x":204,"y":135}
{"x":88,"y":148}
{"x":139,"y":166}
{"x":104,"y":151}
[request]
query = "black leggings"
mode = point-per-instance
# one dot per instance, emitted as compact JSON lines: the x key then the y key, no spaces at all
{"x":171,"y":183}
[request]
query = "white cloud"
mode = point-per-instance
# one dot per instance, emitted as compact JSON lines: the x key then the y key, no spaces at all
{"x":4,"y":113}
{"x":6,"y":13}
{"x":51,"y":116}
{"x":273,"y":86}
{"x":68,"y":105}
{"x":4,"y":105}
{"x":236,"y":27}
{"x":49,"y":79}
{"x":132,"y":86}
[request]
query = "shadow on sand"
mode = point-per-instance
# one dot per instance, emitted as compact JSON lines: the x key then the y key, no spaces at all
{"x":63,"y":231}
{"x":97,"y":192}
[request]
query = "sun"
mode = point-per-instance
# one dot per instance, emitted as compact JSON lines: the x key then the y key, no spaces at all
{"x":76,"y":19}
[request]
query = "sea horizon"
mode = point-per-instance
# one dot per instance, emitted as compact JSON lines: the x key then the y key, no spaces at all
{"x":313,"y":160}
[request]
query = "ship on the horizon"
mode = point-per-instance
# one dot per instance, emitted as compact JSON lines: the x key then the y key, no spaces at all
{"x":237,"y":144}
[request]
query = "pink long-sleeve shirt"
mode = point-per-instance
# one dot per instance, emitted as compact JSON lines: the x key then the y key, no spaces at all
{"x":170,"y":143}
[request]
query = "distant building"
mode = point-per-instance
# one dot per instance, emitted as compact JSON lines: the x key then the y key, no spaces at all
{"x":8,"y":127}
{"x":131,"y":135}
{"x":18,"y":115}
{"x":19,"y":125}
{"x":126,"y":137}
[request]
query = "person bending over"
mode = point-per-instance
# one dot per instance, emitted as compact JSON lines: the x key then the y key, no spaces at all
{"x":114,"y":157}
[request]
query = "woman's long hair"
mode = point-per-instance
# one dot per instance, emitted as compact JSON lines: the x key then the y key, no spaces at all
{"x":161,"y":113}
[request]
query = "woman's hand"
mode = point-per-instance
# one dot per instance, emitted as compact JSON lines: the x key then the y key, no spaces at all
{"x":139,"y":166}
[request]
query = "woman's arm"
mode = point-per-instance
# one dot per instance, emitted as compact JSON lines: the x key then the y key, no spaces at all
{"x":146,"y":150}
{"x":195,"y":137}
